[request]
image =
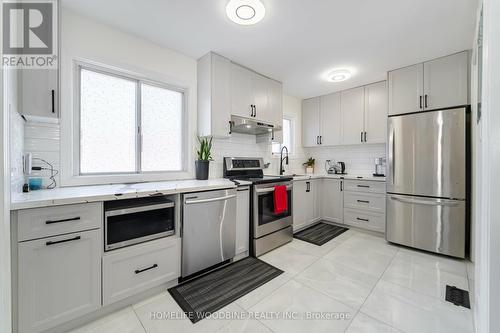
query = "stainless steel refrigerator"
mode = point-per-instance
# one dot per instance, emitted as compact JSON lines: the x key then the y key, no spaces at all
{"x":427,"y":181}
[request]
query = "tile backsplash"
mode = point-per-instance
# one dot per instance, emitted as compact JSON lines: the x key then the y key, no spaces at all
{"x":16,"y":133}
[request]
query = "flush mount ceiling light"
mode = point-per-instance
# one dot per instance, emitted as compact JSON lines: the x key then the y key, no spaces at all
{"x":339,"y":75}
{"x":245,"y":12}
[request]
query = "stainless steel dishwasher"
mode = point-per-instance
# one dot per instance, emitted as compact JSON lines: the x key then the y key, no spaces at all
{"x":208,"y":229}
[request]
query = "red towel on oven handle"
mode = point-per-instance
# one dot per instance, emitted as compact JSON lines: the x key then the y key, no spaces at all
{"x":280,"y":199}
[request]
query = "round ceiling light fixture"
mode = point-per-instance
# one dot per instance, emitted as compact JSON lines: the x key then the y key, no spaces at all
{"x":339,"y":75}
{"x":245,"y":12}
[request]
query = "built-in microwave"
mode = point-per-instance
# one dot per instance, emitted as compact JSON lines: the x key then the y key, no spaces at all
{"x":133,"y":221}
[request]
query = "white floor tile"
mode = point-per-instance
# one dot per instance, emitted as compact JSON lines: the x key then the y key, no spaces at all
{"x":434,"y":261}
{"x":413,"y":312}
{"x":365,"y":324}
{"x":426,"y":279}
{"x":255,"y":296}
{"x":289,"y":259}
{"x":245,"y":326}
{"x":300,"y":300}
{"x":123,"y":321}
{"x":312,"y":249}
{"x":377,"y":244}
{"x":162,"y":314}
{"x":365,"y":258}
{"x":338,"y":281}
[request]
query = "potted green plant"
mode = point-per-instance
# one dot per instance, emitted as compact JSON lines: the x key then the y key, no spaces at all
{"x":309,"y":164}
{"x":204,"y":157}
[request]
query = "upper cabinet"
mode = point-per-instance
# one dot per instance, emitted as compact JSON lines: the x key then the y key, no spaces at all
{"x":434,"y":84}
{"x":354,"y":116}
{"x":38,"y":92}
{"x":226,"y":89}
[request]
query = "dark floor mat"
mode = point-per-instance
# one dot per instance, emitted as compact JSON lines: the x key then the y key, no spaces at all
{"x":320,"y":233}
{"x":209,"y":293}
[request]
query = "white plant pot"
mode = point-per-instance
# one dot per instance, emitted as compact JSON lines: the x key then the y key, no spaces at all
{"x":309,"y":170}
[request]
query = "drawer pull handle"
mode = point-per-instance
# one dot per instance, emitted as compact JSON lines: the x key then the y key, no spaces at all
{"x":364,"y":186}
{"x":63,"y":241}
{"x":364,"y":220}
{"x":138,"y":271}
{"x":63,"y":220}
{"x":364,"y":201}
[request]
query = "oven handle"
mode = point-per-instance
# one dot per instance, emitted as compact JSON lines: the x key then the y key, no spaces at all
{"x":189,"y":202}
{"x":271,"y":189}
{"x":138,"y":209}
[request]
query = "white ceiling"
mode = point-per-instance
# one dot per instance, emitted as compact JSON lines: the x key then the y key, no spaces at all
{"x":299,"y":40}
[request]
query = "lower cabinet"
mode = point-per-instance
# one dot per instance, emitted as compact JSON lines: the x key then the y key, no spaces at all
{"x":59,"y":279}
{"x":140,"y":267}
{"x":242,"y":219}
{"x":333,"y":200}
{"x":306,"y":203}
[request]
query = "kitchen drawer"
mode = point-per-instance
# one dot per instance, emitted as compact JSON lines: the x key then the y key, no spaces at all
{"x":51,"y":221}
{"x":364,"y":219}
{"x":370,"y":201}
{"x":364,"y":186}
{"x":131,"y":270}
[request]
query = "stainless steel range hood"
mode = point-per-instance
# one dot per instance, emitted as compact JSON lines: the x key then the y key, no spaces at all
{"x":252,"y":126}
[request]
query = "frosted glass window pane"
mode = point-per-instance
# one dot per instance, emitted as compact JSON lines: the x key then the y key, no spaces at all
{"x":107,"y":123}
{"x":161,"y":119}
{"x":287,"y":137}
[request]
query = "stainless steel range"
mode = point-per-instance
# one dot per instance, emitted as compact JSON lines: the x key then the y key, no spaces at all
{"x":267,"y":230}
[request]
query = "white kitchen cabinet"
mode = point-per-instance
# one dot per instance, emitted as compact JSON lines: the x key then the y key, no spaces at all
{"x":38,"y":93}
{"x":310,"y":122}
{"x":364,"y":204}
{"x":241,"y":91}
{"x":446,"y":81}
{"x":275,"y":101}
{"x":330,"y":120}
{"x":242,"y":219}
{"x":214,"y":95}
{"x":306,"y":203}
{"x":406,"y":89}
{"x":333,"y":200}
{"x":375,"y":118}
{"x":435,"y":84}
{"x":59,"y":279}
{"x":352,"y":106}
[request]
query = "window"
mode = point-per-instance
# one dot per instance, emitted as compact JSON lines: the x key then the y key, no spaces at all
{"x":287,"y":137}
{"x":128,"y":125}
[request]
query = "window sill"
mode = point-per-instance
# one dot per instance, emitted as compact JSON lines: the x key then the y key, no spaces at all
{"x":125,"y":178}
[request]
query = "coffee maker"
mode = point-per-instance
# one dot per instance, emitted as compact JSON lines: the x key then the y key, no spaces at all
{"x":380,"y":167}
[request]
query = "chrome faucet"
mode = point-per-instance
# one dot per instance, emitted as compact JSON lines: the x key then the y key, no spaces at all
{"x":282,"y":171}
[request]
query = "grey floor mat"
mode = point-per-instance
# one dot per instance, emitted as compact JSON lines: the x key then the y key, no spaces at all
{"x":209,"y":293}
{"x":320,"y":233}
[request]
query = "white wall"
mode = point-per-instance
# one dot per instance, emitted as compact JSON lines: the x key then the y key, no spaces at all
{"x":85,"y":39}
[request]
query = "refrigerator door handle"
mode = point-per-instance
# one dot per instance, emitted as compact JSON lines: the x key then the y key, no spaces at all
{"x":392,"y":162}
{"x":435,"y":202}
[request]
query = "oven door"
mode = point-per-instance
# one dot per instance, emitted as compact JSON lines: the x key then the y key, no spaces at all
{"x":265,"y":221}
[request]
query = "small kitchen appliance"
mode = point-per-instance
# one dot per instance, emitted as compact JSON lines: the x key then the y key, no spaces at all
{"x":337,"y":168}
{"x":379,"y":167}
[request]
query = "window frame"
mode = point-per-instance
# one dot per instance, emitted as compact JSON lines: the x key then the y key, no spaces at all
{"x":138,"y":174}
{"x":291,"y":148}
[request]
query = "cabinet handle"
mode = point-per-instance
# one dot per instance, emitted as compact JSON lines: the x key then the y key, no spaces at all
{"x":361,"y":137}
{"x":63,"y":220}
{"x":321,"y":139}
{"x":364,"y":201}
{"x":63,"y":241}
{"x":308,"y":187}
{"x":230,"y":127}
{"x":138,"y":271}
{"x":53,"y":92}
{"x":255,"y":110}
{"x":341,"y":186}
{"x":365,"y":137}
{"x":420,"y":98}
{"x":317,"y":139}
{"x":364,"y":220}
{"x":425,"y":99}
{"x":364,"y":186}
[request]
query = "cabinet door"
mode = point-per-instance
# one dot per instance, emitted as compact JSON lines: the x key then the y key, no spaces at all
{"x":406,"y":89}
{"x":330,"y":119}
{"x":352,"y":106}
{"x":446,"y":81}
{"x":376,"y":113}
{"x":299,"y":205}
{"x":241,"y":91}
{"x":310,"y":122}
{"x":220,"y":96}
{"x":36,"y":93}
{"x":275,"y":99}
{"x":242,"y":219}
{"x":59,"y":279}
{"x":260,"y":93}
{"x":333,"y":200}
{"x":316,"y":189}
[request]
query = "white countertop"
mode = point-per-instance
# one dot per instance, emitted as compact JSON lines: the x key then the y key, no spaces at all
{"x":84,"y":194}
{"x":334,"y":176}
